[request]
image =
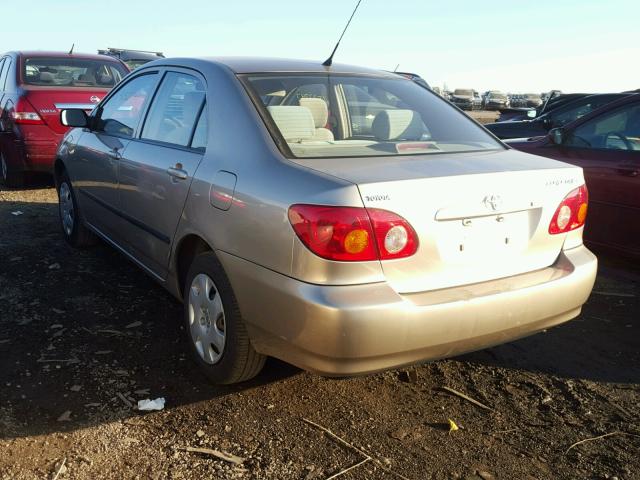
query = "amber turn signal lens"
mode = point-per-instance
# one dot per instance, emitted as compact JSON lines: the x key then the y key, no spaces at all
{"x":356,"y":241}
{"x":582,"y":213}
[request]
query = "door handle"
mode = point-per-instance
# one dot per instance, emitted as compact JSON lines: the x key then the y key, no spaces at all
{"x":177,"y":173}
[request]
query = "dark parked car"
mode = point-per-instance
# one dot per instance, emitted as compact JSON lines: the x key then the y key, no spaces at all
{"x":606,"y":144}
{"x":34,"y":87}
{"x":133,"y":58}
{"x":495,"y":101}
{"x":532,"y":100}
{"x":556,"y":117}
{"x":463,"y":98}
{"x":553,"y":101}
{"x":477,"y":101}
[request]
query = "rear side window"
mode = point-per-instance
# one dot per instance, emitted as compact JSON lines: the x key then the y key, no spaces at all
{"x":175,"y":109}
{"x":121,"y":113}
{"x":71,"y":72}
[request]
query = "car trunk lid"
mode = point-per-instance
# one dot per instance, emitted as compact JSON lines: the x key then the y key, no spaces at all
{"x":49,"y":101}
{"x":478,"y":216}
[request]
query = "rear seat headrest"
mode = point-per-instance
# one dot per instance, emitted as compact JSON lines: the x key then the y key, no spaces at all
{"x":46,"y":77}
{"x":295,"y":122}
{"x":319,"y":110}
{"x":398,"y":125}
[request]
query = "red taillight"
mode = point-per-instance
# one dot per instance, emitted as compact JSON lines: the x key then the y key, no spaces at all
{"x":25,"y":114}
{"x":353,"y":234}
{"x":572,"y":212}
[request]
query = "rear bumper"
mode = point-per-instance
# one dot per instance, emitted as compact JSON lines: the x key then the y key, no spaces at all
{"x":346,"y":330}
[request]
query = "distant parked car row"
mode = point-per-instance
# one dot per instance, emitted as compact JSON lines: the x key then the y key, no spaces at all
{"x":466,"y":99}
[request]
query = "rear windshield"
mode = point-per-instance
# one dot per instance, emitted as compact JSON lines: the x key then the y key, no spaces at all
{"x":498,"y":96}
{"x":468,"y":93}
{"x":71,"y":72}
{"x":532,"y":96}
{"x":351,"y":116}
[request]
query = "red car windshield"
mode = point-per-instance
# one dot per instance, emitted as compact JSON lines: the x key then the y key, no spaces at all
{"x":71,"y":72}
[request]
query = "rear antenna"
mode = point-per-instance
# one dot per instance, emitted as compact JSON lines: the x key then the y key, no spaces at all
{"x":396,"y":69}
{"x":71,"y":51}
{"x":329,"y":61}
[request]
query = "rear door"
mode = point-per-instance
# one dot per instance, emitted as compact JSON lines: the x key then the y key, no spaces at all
{"x":607,"y":147}
{"x":158,"y":166}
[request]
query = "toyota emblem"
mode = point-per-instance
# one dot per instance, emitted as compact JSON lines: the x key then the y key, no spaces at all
{"x":494,"y":202}
{"x":95,"y":99}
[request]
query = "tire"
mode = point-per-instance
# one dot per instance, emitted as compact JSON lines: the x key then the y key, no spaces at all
{"x":73,"y":229}
{"x":8,"y":176}
{"x":214,"y":329}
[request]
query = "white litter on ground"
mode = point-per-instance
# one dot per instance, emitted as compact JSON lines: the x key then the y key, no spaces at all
{"x":146,"y":405}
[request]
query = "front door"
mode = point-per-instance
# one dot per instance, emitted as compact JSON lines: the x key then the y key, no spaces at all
{"x":158,"y":166}
{"x":99,"y":151}
{"x":607,"y":147}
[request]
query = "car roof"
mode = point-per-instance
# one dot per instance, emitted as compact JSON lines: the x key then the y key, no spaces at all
{"x":40,"y":53}
{"x":243,"y":65}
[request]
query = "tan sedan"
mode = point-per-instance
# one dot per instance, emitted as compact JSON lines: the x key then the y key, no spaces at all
{"x":343,"y":219}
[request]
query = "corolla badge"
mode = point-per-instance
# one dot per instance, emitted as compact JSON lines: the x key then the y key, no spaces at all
{"x":95,"y":99}
{"x":494,"y":202}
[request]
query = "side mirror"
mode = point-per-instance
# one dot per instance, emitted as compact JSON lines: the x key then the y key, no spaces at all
{"x":74,"y":117}
{"x":557,"y":136}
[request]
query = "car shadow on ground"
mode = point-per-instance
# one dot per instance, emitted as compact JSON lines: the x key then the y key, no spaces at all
{"x":85,"y":334}
{"x":602,"y":344}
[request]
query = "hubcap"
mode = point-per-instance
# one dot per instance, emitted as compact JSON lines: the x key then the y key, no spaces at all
{"x":66,"y":208}
{"x":206,"y":319}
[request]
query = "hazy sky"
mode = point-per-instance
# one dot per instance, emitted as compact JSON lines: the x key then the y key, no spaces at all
{"x":511,"y":45}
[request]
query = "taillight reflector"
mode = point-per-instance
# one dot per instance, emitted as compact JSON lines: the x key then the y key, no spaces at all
{"x":353,"y":234}
{"x":572,"y":211}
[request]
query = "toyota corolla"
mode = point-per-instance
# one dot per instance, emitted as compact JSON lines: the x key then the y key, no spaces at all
{"x":342,"y":219}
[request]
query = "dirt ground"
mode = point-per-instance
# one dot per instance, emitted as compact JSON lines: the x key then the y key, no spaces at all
{"x":85,"y":334}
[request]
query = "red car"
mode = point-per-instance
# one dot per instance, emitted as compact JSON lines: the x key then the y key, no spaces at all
{"x":606,"y":144}
{"x":34,"y":87}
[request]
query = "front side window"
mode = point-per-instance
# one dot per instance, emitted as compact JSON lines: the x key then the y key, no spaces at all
{"x":71,"y":72}
{"x":121,"y":113}
{"x":175,"y":109}
{"x":351,"y":116}
{"x":617,"y":130}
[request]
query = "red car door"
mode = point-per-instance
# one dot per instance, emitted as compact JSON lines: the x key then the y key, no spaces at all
{"x":607,"y":147}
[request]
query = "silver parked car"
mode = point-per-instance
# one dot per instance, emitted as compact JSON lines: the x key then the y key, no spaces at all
{"x":342,"y":219}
